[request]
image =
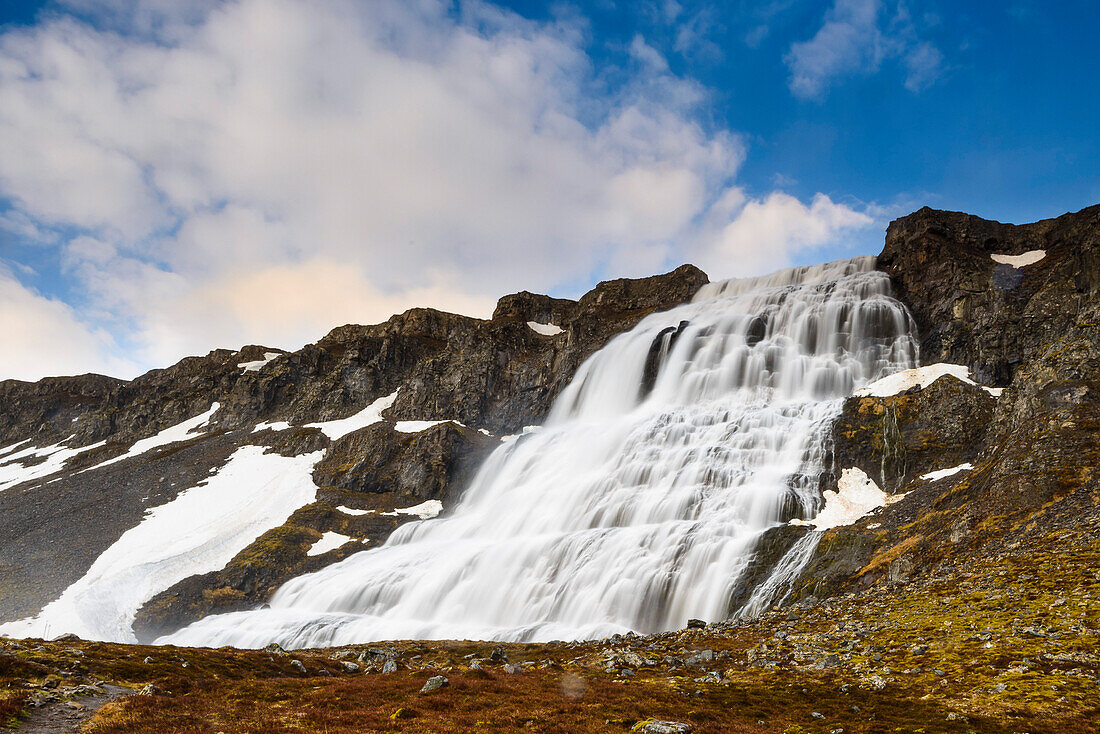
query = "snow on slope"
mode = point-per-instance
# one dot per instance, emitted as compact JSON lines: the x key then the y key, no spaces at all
{"x":425,"y":510}
{"x":259,"y":364}
{"x":180,"y":432}
{"x":367,"y":416}
{"x":920,"y":376}
{"x":418,"y":426}
{"x":859,"y":495}
{"x":942,"y":473}
{"x":1019,"y":261}
{"x":329,"y":541}
{"x":276,"y":426}
{"x":199,"y":531}
{"x":12,"y":472}
{"x":13,"y":447}
{"x":544,"y":329}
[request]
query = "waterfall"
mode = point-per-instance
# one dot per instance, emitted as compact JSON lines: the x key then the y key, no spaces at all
{"x":638,"y":503}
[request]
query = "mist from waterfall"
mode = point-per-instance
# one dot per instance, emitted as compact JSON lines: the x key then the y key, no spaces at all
{"x":638,"y":504}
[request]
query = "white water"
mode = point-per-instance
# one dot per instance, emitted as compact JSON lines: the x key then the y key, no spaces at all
{"x":629,"y":510}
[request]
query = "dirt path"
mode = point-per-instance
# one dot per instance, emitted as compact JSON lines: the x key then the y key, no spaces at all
{"x":65,"y":717}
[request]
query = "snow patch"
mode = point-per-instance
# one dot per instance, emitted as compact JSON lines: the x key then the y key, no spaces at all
{"x":276,"y":426}
{"x":329,"y":541}
{"x":13,"y":447}
{"x":899,"y":382}
{"x":1018,"y":261}
{"x":418,"y":426}
{"x":259,"y":364}
{"x":199,"y":531}
{"x":858,"y":497}
{"x":12,"y":472}
{"x":425,"y":510}
{"x":544,"y":329}
{"x":512,"y":437}
{"x":367,"y":416}
{"x":350,"y":511}
{"x":179,"y":432}
{"x":942,"y":473}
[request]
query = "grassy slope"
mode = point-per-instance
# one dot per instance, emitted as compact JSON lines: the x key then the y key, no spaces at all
{"x":1011,"y":646}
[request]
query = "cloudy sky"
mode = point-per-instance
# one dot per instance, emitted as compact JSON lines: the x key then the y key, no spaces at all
{"x":176,"y":177}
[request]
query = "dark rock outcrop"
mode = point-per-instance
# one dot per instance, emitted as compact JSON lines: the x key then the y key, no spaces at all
{"x":971,"y":310}
{"x":1034,"y":330}
{"x":895,"y":439}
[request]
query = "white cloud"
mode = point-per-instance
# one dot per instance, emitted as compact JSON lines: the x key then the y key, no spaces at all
{"x":752,"y":236}
{"x":924,"y":62}
{"x":854,"y":39}
{"x":263,"y":170}
{"x":43,"y":336}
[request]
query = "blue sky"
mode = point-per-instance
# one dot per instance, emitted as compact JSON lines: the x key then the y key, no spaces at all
{"x":179,"y":177}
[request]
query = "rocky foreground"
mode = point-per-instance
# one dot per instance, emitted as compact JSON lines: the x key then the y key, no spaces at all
{"x":1008,"y":644}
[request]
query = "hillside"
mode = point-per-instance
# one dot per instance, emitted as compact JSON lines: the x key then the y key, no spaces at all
{"x":961,"y":597}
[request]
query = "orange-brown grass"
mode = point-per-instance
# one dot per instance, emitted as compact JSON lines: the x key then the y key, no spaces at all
{"x":1017,"y":682}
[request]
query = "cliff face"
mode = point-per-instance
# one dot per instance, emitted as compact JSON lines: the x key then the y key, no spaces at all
{"x":464,"y":383}
{"x":1034,"y":448}
{"x":991,"y":316}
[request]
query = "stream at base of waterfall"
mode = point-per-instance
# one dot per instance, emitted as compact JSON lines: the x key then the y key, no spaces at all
{"x":639,"y":503}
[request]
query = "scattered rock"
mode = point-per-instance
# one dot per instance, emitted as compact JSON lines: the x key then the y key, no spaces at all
{"x":656,"y":726}
{"x":435,"y":683}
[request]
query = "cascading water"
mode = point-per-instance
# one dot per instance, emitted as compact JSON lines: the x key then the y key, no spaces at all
{"x":639,"y":502}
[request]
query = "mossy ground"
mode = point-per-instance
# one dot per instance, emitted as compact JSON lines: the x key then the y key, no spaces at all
{"x":1001,"y":644}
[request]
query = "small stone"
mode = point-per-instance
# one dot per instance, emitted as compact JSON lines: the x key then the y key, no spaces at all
{"x":275,"y":649}
{"x":389,"y":667}
{"x":434,"y":684}
{"x":152,"y":690}
{"x":147,"y":660}
{"x":67,"y":637}
{"x":696,"y":624}
{"x":512,"y":669}
{"x":818,"y":715}
{"x":298,"y":665}
{"x":350,"y":667}
{"x":656,"y":726}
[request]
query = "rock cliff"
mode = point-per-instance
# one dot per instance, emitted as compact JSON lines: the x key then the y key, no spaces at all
{"x":461,"y":384}
{"x":1034,"y":447}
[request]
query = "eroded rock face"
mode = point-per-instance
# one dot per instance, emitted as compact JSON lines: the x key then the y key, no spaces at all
{"x":974,"y":311}
{"x":1034,"y":449}
{"x":897,"y":438}
{"x":435,"y":463}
